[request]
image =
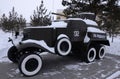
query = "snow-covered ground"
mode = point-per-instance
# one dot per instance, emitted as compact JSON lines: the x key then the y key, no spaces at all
{"x":4,"y":39}
{"x":114,"y":47}
{"x":5,"y":45}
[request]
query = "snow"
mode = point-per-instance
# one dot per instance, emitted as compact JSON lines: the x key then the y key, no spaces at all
{"x":86,"y":39}
{"x":115,"y":75}
{"x":44,"y":53}
{"x":41,"y":43}
{"x":3,"y":51}
{"x":17,"y":71}
{"x":4,"y":45}
{"x":87,"y":21}
{"x":61,"y":36}
{"x":76,"y":67}
{"x":103,"y":76}
{"x":60,"y":24}
{"x":10,"y":75}
{"x":51,"y":73}
{"x":72,"y":67}
{"x":87,"y":13}
{"x":114,"y":47}
{"x":99,"y":63}
{"x":93,"y":29}
{"x":4,"y":39}
{"x":4,"y":60}
{"x":104,"y":2}
{"x":90,"y":22}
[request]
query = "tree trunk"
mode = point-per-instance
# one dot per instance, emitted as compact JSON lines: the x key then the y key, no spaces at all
{"x":12,"y":32}
{"x":110,"y":34}
{"x":112,"y":38}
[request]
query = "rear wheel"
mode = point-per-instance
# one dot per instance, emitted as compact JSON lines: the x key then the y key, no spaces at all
{"x":30,"y":64}
{"x":90,"y":55}
{"x":101,"y":52}
{"x":12,"y":53}
{"x":63,"y":46}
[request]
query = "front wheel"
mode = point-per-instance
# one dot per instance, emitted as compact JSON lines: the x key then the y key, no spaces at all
{"x":12,"y":54}
{"x":30,"y":64}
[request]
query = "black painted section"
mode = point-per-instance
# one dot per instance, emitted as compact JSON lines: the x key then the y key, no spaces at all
{"x":49,"y":35}
{"x":75,"y":30}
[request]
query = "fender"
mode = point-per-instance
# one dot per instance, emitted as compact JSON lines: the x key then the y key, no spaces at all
{"x":34,"y":44}
{"x":61,"y":36}
{"x":22,"y":46}
{"x":86,"y":46}
{"x":94,"y":42}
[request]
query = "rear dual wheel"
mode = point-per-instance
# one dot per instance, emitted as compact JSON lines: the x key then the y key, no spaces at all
{"x":100,"y":52}
{"x":90,"y":55}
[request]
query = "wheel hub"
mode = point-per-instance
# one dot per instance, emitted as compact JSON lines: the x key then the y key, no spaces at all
{"x":31,"y":65}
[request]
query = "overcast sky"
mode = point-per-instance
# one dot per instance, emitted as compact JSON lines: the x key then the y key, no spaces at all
{"x":26,"y":7}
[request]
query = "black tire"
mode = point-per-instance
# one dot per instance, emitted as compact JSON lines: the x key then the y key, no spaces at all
{"x":100,"y":52}
{"x":90,"y":55}
{"x":12,"y":52}
{"x":30,"y":64}
{"x":63,"y":46}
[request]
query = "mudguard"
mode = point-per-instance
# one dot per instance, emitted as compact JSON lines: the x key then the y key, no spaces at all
{"x":104,"y":42}
{"x":86,"y":46}
{"x":34,"y":44}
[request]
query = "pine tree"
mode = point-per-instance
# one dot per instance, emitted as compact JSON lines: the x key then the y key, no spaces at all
{"x":22,"y":22}
{"x":40,"y":16}
{"x":13,"y":22}
{"x":112,"y":17}
{"x":77,"y":6}
{"x":108,"y":11}
{"x":4,"y":23}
